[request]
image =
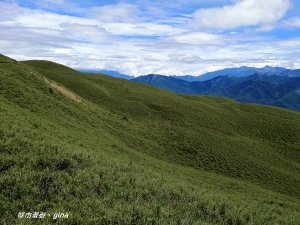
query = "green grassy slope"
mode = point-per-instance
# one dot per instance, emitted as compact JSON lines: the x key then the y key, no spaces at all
{"x":132,"y":154}
{"x":251,"y":142}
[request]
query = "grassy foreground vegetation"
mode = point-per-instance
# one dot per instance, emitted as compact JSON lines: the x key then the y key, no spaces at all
{"x":127,"y":153}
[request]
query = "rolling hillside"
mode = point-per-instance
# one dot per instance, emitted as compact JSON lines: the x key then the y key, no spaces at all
{"x":112,"y":151}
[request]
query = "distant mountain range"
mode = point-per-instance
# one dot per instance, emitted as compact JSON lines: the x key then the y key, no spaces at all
{"x":243,"y":71}
{"x":167,"y":83}
{"x":110,"y":73}
{"x":271,"y":86}
{"x":267,"y":85}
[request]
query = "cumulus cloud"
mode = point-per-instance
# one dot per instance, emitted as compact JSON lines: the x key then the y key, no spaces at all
{"x":241,"y":13}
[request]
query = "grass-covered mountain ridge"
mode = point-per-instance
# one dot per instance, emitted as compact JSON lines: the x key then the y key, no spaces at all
{"x":112,"y":151}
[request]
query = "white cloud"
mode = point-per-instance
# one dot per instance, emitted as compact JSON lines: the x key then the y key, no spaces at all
{"x":293,"y":43}
{"x":241,"y":13}
{"x":121,"y":12}
{"x":89,"y":42}
{"x":197,"y":38}
{"x":185,"y":58}
{"x":17,"y":16}
{"x":54,"y":1}
{"x":86,"y":33}
{"x":292,"y":22}
{"x":13,"y":15}
{"x":144,"y":29}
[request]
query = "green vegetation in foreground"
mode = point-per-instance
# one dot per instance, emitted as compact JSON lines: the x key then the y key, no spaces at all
{"x":132,"y":154}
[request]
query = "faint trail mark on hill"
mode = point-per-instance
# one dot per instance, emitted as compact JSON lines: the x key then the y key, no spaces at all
{"x":65,"y":91}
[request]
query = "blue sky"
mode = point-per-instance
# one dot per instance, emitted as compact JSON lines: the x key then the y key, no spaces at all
{"x":139,"y":37}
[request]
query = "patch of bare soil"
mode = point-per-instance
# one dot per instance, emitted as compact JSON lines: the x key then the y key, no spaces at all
{"x":65,"y":91}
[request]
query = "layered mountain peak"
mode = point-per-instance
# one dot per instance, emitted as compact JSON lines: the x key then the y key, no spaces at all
{"x":245,"y":84}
